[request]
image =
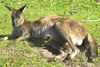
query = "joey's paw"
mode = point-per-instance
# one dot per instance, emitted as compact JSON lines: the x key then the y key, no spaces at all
{"x":42,"y":44}
{"x":51,"y":60}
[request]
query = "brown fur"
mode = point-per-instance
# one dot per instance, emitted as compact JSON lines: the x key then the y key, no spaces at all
{"x":61,"y":33}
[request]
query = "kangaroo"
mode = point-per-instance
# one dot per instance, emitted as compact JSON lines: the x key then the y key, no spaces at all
{"x":56,"y":31}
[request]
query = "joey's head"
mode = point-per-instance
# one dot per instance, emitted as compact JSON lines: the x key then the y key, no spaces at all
{"x":17,"y":15}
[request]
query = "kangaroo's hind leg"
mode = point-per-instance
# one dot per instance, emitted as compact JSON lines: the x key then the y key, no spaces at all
{"x":63,"y":53}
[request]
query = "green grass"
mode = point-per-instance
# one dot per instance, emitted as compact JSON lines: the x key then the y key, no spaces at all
{"x":78,"y":9}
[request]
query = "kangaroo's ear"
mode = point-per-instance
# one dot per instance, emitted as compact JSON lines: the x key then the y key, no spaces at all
{"x":10,"y":8}
{"x":23,"y":8}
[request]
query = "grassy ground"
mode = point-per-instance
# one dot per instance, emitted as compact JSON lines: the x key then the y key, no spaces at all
{"x":22,"y":54}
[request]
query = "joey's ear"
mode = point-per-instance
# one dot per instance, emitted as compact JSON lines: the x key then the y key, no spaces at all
{"x":10,"y":8}
{"x":23,"y":8}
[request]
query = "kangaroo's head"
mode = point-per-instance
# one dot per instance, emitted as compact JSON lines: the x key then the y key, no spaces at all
{"x":17,"y":15}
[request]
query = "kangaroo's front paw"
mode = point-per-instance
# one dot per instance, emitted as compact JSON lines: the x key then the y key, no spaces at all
{"x":42,"y":45}
{"x":4,"y":38}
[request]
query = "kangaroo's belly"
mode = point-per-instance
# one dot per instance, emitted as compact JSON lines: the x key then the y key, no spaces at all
{"x":41,"y":32}
{"x":55,"y":37}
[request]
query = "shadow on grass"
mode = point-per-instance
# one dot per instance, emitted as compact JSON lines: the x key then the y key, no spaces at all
{"x":37,"y":43}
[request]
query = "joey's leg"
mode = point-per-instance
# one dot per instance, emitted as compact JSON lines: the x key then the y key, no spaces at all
{"x":45,"y":40}
{"x":62,"y":53}
{"x":23,"y":37}
{"x":12,"y":36}
{"x":66,"y":47}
